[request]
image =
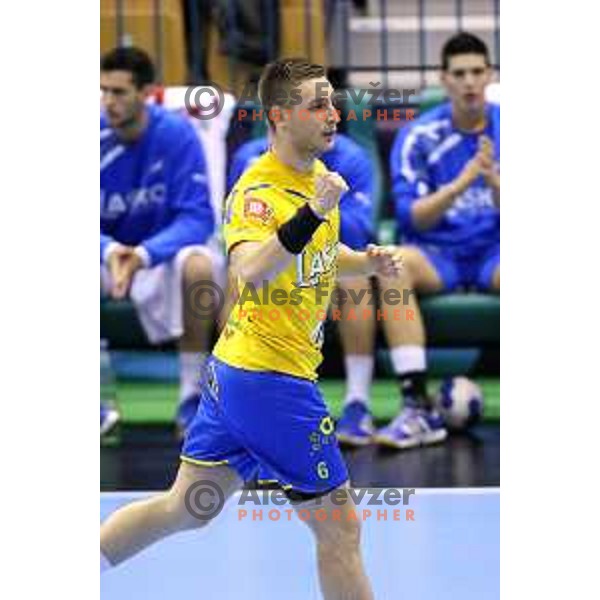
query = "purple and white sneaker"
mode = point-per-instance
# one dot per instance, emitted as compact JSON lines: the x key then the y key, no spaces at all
{"x":411,"y":428}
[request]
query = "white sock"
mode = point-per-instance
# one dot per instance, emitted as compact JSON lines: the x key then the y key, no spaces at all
{"x":104,"y":563}
{"x":408,"y":359}
{"x":359,"y":375}
{"x":190,"y":365}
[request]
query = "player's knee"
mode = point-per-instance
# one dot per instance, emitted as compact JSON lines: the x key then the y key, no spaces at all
{"x":340,"y":533}
{"x":350,"y":532}
{"x":413,"y":261}
{"x":419,"y":272}
{"x":180,"y":515}
{"x":196,"y":268}
{"x":341,"y":547}
{"x":409,"y":271}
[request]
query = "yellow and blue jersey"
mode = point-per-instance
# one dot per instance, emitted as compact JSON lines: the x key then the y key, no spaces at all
{"x":279,"y":326}
{"x":353,"y":163}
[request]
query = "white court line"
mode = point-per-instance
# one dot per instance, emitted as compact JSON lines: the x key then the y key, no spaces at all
{"x":475,"y":491}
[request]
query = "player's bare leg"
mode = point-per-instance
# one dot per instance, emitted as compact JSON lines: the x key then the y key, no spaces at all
{"x":341,"y":570}
{"x":136,"y":526}
{"x":195,"y":342}
{"x":357,"y":334}
{"x":414,"y":426}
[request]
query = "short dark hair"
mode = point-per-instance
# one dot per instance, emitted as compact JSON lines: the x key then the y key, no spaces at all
{"x":281,"y":76}
{"x":134,"y":60}
{"x":463,"y":43}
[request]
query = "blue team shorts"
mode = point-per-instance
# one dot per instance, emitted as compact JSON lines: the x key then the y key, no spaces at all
{"x":265,"y":421}
{"x":475,"y":270}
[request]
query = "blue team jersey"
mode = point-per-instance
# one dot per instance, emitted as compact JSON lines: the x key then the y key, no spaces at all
{"x":348,"y":159}
{"x":431,"y":153}
{"x":154,"y":191}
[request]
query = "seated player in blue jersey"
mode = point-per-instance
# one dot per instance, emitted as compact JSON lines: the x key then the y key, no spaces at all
{"x":446,"y":186}
{"x":353,"y":163}
{"x":156,"y":219}
{"x":260,"y":406}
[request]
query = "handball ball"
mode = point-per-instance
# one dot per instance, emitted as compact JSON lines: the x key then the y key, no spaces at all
{"x":460,"y":403}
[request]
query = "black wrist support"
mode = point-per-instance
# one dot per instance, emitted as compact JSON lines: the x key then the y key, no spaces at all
{"x":298,"y":231}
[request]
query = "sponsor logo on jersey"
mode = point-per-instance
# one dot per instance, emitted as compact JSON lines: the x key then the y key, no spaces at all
{"x":256,"y":208}
{"x":113,"y":205}
{"x":473,"y":201}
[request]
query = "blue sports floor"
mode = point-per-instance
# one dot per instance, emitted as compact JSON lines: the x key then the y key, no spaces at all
{"x":450,"y":550}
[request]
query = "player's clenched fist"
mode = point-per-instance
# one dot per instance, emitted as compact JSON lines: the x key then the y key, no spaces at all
{"x":384,"y":260}
{"x":328,"y":191}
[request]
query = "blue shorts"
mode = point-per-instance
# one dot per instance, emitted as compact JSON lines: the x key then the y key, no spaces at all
{"x":473,"y":271}
{"x":265,"y":421}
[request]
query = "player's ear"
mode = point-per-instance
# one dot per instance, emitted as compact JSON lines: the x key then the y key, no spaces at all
{"x":148,"y":90}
